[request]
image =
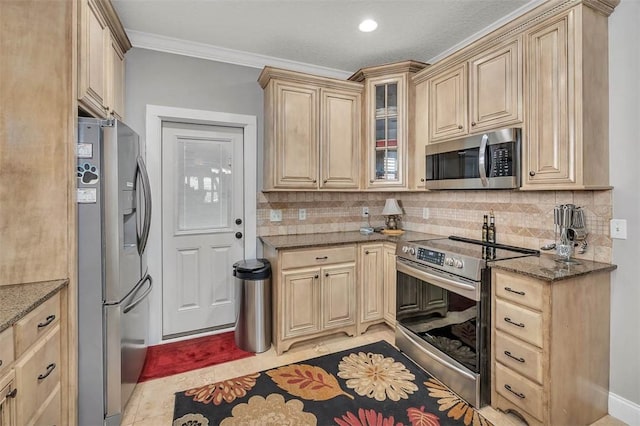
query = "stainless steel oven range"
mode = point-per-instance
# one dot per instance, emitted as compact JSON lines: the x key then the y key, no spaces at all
{"x":443,"y":309}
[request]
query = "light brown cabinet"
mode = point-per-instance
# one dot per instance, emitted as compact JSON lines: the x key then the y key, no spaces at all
{"x":102,"y":45}
{"x":371,"y":288}
{"x":312,"y":132}
{"x":550,"y":362}
{"x":8,"y":395}
{"x":567,"y":132}
{"x":387,"y":123}
{"x":314,"y":293}
{"x":31,"y":369}
{"x":389,"y":276}
{"x":483,"y":93}
{"x":376,"y":284}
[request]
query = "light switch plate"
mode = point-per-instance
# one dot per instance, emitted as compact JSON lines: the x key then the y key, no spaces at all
{"x":619,"y":229}
{"x":275,"y":215}
{"x":365,"y":211}
{"x":302,"y":214}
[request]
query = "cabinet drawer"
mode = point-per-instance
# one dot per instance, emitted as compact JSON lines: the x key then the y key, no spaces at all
{"x":318,"y":257}
{"x":37,"y":323}
{"x":522,"y":392}
{"x":6,"y":349}
{"x":519,"y":322}
{"x":50,"y":413}
{"x":522,"y":290}
{"x":519,"y":356}
{"x":38,"y":374}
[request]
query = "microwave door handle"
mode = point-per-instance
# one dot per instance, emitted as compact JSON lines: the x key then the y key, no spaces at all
{"x":482,"y":168}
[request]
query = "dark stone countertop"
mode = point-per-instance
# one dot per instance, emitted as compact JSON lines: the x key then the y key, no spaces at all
{"x":282,"y":242}
{"x":18,"y":300}
{"x":546,"y":268}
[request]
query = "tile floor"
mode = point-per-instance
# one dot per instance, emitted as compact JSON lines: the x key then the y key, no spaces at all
{"x":152,"y":402}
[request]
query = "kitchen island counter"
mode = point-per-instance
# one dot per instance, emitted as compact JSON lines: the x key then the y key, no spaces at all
{"x":281,"y":242}
{"x":18,"y":300}
{"x":546,"y":268}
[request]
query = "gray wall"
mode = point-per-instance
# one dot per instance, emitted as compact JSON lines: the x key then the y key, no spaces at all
{"x":165,"y":79}
{"x":624,"y":159}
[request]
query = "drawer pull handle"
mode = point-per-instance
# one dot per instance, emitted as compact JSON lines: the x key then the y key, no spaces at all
{"x":47,"y":321}
{"x":50,"y":369}
{"x":521,"y":293}
{"x":518,"y":394}
{"x":507,"y":353}
{"x":12,"y":393}
{"x":510,"y":321}
{"x":322,"y":258}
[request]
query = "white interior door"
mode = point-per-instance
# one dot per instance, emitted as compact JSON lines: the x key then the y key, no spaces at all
{"x":202,"y":225}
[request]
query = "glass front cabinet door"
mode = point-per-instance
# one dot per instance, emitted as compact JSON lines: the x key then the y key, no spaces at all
{"x":387,"y":123}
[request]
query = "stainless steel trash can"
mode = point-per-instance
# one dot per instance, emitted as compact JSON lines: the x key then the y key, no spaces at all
{"x":253,"y":296}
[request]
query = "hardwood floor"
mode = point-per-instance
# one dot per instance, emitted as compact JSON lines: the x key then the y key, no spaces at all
{"x":152,"y":402}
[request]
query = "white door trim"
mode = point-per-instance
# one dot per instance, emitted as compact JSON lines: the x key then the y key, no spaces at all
{"x":153,"y":146}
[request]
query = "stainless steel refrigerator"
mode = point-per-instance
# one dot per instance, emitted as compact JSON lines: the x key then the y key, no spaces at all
{"x":114,"y":215}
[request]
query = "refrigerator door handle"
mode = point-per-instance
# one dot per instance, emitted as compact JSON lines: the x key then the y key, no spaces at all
{"x":133,"y":290}
{"x":146,"y":193}
{"x":135,"y":303}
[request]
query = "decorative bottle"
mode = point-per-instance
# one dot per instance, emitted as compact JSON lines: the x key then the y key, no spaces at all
{"x":491,"y":232}
{"x":485,"y":229}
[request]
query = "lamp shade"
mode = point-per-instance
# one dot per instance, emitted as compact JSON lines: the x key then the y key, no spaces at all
{"x":391,"y":207}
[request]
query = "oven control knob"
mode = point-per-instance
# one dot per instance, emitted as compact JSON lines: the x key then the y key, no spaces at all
{"x":412,"y":251}
{"x":458,"y":264}
{"x":448,"y":261}
{"x":405,"y":249}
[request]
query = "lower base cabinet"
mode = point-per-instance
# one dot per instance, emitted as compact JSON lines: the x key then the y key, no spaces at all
{"x":550,"y":347}
{"x":314,"y":293}
{"x":376,"y":285}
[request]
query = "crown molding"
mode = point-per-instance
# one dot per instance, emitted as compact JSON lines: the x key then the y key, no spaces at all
{"x":177,"y":46}
{"x":494,"y":26}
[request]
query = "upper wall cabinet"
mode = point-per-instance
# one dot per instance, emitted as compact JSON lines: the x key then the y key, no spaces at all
{"x":102,"y":44}
{"x":567,"y":122}
{"x":388,"y":137}
{"x":480,"y":94}
{"x":312,"y":132}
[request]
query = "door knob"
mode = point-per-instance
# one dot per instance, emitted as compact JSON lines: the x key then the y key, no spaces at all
{"x":238,"y":221}
{"x":238,"y":235}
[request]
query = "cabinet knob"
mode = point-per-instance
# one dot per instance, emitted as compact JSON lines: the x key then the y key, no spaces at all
{"x":326,"y":274}
{"x":532,"y":173}
{"x":325,"y":181}
{"x":421,"y":179}
{"x":473,"y":123}
{"x":370,"y":180}
{"x":366,"y":252}
{"x":317,"y":276}
{"x":315,"y":181}
{"x":460,"y":126}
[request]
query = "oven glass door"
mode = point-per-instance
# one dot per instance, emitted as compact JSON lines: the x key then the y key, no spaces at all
{"x":442,"y":318}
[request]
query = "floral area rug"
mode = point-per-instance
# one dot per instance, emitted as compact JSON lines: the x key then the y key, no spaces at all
{"x":370,"y":385}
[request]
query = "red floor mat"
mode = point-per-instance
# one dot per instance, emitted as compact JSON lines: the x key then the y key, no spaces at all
{"x":173,"y":358}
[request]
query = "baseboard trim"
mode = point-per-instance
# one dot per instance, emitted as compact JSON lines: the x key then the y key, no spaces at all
{"x":623,"y":409}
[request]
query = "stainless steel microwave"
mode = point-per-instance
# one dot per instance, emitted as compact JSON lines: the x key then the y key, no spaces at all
{"x":484,"y":161}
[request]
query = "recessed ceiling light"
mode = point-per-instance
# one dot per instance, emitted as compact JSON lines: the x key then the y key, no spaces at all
{"x":367,"y":25}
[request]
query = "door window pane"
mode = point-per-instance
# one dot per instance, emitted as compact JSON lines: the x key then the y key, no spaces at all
{"x":204,"y":184}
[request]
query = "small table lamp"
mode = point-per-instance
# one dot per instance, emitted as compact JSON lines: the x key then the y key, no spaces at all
{"x":391,"y":210}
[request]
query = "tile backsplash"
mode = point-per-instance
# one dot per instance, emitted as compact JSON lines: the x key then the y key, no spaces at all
{"x":523,"y":218}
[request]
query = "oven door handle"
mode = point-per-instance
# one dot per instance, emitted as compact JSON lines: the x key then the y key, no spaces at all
{"x":467,"y":290}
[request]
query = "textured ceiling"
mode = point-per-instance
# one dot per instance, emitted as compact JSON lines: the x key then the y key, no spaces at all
{"x":320,"y":32}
